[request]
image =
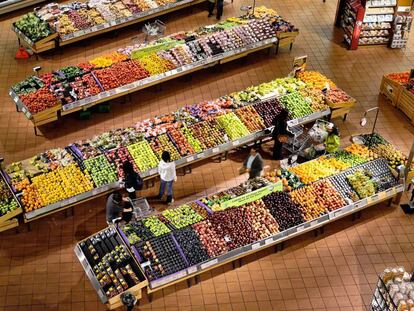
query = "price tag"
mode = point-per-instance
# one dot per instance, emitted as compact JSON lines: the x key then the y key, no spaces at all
{"x":200,"y":156}
{"x":112,"y":23}
{"x":10,"y":93}
{"x":236,"y":143}
{"x":338,"y":213}
{"x":72,"y":200}
{"x":255,"y":246}
{"x":209,"y":264}
{"x":300,"y":228}
{"x":192,"y":270}
{"x":24,"y":110}
{"x":314,"y":223}
{"x":179,"y":69}
{"x":216,"y":150}
{"x":16,"y":99}
{"x":227,"y":238}
{"x":268,"y":241}
{"x":190,"y":159}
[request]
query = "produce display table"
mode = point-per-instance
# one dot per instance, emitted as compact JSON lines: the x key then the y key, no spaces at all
{"x":258,"y":205}
{"x":52,"y":42}
{"x":46,"y":98}
{"x":191,"y":134}
{"x":398,"y":89}
{"x":14,"y":5}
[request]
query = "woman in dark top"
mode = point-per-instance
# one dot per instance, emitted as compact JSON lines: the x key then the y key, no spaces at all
{"x":133,"y":181}
{"x":280,"y":123}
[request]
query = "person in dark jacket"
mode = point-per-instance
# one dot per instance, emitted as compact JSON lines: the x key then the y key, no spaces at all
{"x":253,"y":164}
{"x":133,"y":181}
{"x":115,"y":208}
{"x":280,"y":130}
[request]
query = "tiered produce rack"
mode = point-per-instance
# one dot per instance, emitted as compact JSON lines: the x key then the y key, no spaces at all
{"x":398,"y":90}
{"x":191,"y":270}
{"x":266,"y":37}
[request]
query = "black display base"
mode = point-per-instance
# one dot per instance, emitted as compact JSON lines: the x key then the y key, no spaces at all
{"x":407,"y":208}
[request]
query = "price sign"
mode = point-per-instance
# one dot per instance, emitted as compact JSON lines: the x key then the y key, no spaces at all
{"x":300,"y":228}
{"x":216,"y":150}
{"x":314,"y":223}
{"x":255,"y":246}
{"x":236,"y":143}
{"x":200,"y":156}
{"x":190,"y":159}
{"x":192,"y":270}
{"x":209,"y":264}
{"x":268,"y":241}
{"x":16,"y":99}
{"x":338,"y":213}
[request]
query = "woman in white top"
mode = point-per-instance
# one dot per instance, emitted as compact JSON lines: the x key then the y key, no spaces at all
{"x":166,"y":169}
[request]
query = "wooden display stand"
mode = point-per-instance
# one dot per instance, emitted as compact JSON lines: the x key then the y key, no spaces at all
{"x":391,"y":89}
{"x":406,"y":104}
{"x":341,"y":109}
{"x":50,"y":42}
{"x":285,"y":39}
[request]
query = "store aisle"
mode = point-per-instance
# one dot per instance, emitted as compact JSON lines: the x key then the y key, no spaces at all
{"x":39,"y":270}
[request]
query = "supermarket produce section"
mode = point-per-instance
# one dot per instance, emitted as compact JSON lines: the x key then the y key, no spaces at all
{"x":180,"y":243}
{"x":43,"y":99}
{"x":62,"y":177}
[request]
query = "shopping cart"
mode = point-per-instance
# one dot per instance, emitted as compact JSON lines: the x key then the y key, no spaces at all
{"x":153,"y":30}
{"x":141,"y":208}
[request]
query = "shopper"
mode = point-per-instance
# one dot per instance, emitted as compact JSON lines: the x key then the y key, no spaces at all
{"x":212,"y":4}
{"x":280,"y":133}
{"x":166,"y":169}
{"x":114,"y":208}
{"x":333,"y":140}
{"x":253,"y":164}
{"x":133,"y":182}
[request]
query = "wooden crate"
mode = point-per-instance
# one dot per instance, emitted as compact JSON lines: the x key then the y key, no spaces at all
{"x":46,"y":116}
{"x":406,"y":103}
{"x":391,"y":89}
{"x":9,"y":224}
{"x":348,"y":104}
{"x":341,"y":112}
{"x":10,"y":215}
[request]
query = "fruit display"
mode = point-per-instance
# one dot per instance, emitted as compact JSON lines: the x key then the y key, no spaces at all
{"x":233,"y":126}
{"x":213,"y":201}
{"x":263,"y":223}
{"x":7,"y":202}
{"x":289,"y":180}
{"x":156,"y":226}
{"x":191,"y":245}
{"x":297,"y":106}
{"x":39,"y":100}
{"x":361,"y":151}
{"x":137,"y":232}
{"x":286,"y":213}
{"x":401,"y":78}
{"x":327,"y":195}
{"x":268,"y":110}
{"x":162,"y":143}
{"x":198,"y":209}
{"x":117,"y":157}
{"x":316,"y":80}
{"x":192,"y":141}
{"x":251,"y":119}
{"x":143,"y":155}
{"x":114,"y":138}
{"x":136,"y":62}
{"x":319,"y":168}
{"x":373,"y":139}
{"x":101,"y":170}
{"x":180,"y":141}
{"x":337,"y":96}
{"x":309,"y":203}
{"x":33,"y":27}
{"x":395,"y":157}
{"x":209,"y":133}
{"x":315,"y":98}
{"x":111,"y":262}
{"x":361,"y":181}
{"x":213,"y":242}
{"x":349,"y":158}
{"x":57,"y":185}
{"x":182,"y":216}
{"x":161,"y":256}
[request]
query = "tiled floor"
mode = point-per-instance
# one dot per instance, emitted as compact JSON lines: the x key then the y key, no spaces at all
{"x":336,"y":271}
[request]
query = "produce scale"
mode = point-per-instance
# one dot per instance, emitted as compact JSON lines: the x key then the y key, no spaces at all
{"x":47,"y":97}
{"x":63,"y":177}
{"x":181,"y":243}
